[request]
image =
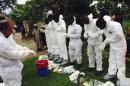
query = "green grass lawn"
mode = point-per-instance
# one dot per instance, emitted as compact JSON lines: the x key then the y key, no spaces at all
{"x":30,"y":77}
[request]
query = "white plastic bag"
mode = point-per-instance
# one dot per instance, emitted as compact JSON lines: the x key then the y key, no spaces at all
{"x":108,"y":83}
{"x":123,"y":82}
{"x":68,"y":70}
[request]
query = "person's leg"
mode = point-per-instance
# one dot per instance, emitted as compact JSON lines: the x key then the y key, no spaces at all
{"x":121,"y":65}
{"x":78,"y":51}
{"x":56,"y":55}
{"x":98,"y":57}
{"x":112,"y":69}
{"x":48,"y":43}
{"x":72,"y":55}
{"x":91,"y":54}
{"x":64,"y":52}
{"x":78,"y":55}
{"x":12,"y":75}
{"x":1,"y":80}
{"x":52,"y":42}
{"x":56,"y":46}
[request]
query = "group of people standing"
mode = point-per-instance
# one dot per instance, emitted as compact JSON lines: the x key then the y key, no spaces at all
{"x":56,"y":39}
{"x":56,"y":34}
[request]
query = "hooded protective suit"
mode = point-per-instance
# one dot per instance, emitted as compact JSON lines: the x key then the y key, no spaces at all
{"x":48,"y":37}
{"x":115,"y":37}
{"x":10,"y":64}
{"x":61,"y":38}
{"x":75,"y":43}
{"x":54,"y":40}
{"x":94,"y":35}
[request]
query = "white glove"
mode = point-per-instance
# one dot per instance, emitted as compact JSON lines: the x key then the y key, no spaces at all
{"x":101,"y":32}
{"x":66,"y":35}
{"x":85,"y":35}
{"x":41,"y":30}
{"x":45,"y":31}
{"x":33,"y":52}
{"x":102,"y":46}
{"x":25,"y":48}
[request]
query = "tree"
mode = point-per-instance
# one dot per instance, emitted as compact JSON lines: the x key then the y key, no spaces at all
{"x":7,"y":3}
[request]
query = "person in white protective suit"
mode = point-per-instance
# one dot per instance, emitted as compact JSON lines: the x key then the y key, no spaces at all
{"x":115,"y":37}
{"x":61,"y":39}
{"x":54,"y":41}
{"x":60,"y":28}
{"x":49,"y":39}
{"x":94,"y":36}
{"x":10,"y":55}
{"x":54,"y":51}
{"x":48,"y":30}
{"x":75,"y":43}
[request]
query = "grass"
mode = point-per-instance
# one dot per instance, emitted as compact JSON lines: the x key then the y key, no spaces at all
{"x":30,"y":77}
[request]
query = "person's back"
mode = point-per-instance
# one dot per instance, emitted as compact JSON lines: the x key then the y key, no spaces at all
{"x":115,"y":32}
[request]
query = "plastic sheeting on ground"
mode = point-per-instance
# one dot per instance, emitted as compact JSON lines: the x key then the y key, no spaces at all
{"x":2,"y":84}
{"x":123,"y":82}
{"x":97,"y":83}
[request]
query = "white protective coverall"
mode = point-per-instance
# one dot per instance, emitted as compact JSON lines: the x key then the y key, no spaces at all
{"x":10,"y":64}
{"x":75,"y":43}
{"x":54,"y":41}
{"x":61,"y":38}
{"x":115,"y":37}
{"x":94,"y":35}
{"x":48,"y":31}
{"x":48,"y":38}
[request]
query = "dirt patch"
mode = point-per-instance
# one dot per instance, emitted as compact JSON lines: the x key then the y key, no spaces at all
{"x":28,"y":43}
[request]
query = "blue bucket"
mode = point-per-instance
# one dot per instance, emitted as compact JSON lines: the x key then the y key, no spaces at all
{"x":42,"y":71}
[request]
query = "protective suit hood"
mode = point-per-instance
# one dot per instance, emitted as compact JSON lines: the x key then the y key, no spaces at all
{"x":61,"y":17}
{"x":94,"y":3}
{"x":90,"y":16}
{"x":107,"y":19}
{"x":74,"y":20}
{"x":49,"y":12}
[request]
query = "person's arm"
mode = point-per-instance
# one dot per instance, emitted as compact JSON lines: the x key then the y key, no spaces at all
{"x":14,"y":51}
{"x":17,"y":45}
{"x":94,"y":35}
{"x":117,"y":34}
{"x":89,"y":33}
{"x":77,"y":34}
{"x":42,"y":30}
{"x":85,"y":33}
